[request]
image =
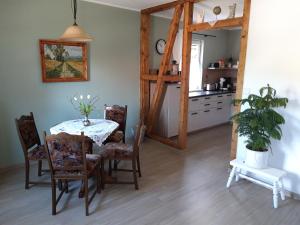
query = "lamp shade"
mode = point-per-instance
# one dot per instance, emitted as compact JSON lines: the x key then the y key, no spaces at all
{"x":75,"y":33}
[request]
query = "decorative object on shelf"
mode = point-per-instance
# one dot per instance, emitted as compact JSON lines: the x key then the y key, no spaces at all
{"x":200,"y":16}
{"x":217,"y":11}
{"x":63,"y":61}
{"x":259,"y":124}
{"x":175,"y":68}
{"x":160,"y":46}
{"x":85,"y":105}
{"x":232,"y":9}
{"x":75,"y":32}
{"x":222,"y":63}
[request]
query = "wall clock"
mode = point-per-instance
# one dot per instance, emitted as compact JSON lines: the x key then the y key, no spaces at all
{"x":160,"y":46}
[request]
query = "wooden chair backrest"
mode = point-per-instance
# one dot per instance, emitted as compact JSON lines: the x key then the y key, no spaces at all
{"x":139,"y":136}
{"x":117,"y":114}
{"x":66,"y":153}
{"x":27,"y":132}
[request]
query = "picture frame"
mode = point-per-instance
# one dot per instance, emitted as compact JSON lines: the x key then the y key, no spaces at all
{"x":63,"y":61}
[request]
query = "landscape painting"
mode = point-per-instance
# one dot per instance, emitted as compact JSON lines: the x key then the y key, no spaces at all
{"x":63,"y":61}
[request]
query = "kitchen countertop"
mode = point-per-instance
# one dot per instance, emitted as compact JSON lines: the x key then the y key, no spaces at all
{"x":194,"y":94}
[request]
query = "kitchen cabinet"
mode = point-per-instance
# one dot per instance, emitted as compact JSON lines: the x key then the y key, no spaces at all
{"x":168,"y":119}
{"x":204,"y":111}
{"x":207,"y":111}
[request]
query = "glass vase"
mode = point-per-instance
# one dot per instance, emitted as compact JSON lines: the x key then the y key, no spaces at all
{"x":86,"y":122}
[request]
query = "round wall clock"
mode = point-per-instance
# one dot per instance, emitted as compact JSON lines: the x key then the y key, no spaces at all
{"x":160,"y":46}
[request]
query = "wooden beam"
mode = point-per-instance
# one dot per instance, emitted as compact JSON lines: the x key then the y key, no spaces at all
{"x":162,"y":7}
{"x":144,"y":66}
{"x":235,"y":22}
{"x":166,"y":6}
{"x":164,"y":140}
{"x":160,"y":87}
{"x":185,"y":73}
{"x":241,"y":71}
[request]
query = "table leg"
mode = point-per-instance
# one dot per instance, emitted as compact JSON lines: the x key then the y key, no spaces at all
{"x":232,"y":173}
{"x":275,"y":194}
{"x":281,"y":190}
{"x":81,"y":192}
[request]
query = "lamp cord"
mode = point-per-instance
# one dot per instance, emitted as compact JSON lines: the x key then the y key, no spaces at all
{"x":74,"y":9}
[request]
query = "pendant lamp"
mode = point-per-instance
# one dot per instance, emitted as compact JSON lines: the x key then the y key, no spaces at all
{"x":75,"y":32}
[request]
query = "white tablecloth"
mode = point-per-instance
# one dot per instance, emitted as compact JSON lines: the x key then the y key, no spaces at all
{"x":98,"y":131}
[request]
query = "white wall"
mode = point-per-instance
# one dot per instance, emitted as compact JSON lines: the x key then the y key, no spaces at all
{"x":273,"y":57}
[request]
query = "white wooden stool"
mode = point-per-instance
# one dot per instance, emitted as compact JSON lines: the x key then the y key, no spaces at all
{"x":274,"y":176}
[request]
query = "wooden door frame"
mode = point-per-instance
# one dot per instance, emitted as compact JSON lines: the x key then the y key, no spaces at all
{"x":148,"y":112}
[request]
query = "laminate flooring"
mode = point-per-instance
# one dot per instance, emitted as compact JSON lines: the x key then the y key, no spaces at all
{"x":177,"y":188}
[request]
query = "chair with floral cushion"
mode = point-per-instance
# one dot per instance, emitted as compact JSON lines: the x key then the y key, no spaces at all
{"x":68,"y":161}
{"x":31,"y":144}
{"x":122,"y":151}
{"x":117,"y":114}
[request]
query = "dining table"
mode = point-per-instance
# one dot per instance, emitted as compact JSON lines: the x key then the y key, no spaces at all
{"x":98,"y":130}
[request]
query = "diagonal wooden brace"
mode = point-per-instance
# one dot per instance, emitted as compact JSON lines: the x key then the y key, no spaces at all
{"x":159,"y":90}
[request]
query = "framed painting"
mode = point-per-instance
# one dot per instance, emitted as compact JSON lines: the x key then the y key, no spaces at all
{"x":63,"y":61}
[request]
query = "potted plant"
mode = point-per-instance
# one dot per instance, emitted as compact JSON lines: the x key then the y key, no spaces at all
{"x":260,"y":123}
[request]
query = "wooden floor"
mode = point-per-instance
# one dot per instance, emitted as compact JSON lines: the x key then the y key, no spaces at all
{"x":181,"y":188}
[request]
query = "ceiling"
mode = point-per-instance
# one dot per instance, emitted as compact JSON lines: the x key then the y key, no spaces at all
{"x":207,"y":5}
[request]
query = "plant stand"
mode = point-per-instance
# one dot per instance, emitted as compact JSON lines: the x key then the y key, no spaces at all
{"x":258,"y":176}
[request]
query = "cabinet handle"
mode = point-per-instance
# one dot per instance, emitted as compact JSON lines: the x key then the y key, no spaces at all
{"x":220,"y":102}
{"x":207,"y":111}
{"x":178,"y":87}
{"x":219,"y":108}
{"x":206,"y":104}
{"x":207,"y":98}
{"x":195,"y":99}
{"x":220,"y":96}
{"x":194,"y":113}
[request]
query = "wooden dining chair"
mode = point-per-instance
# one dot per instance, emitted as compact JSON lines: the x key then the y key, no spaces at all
{"x":68,"y":161}
{"x":31,"y":144}
{"x":122,"y":151}
{"x":117,"y":114}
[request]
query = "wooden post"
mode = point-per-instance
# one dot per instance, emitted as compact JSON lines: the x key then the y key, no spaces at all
{"x":185,"y":73}
{"x":150,"y":115}
{"x":144,"y":66}
{"x":159,"y":90}
{"x":241,"y":71}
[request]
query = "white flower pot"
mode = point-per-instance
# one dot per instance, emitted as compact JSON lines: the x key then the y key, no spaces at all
{"x":258,"y":160}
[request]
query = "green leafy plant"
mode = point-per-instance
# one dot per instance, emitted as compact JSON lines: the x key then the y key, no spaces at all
{"x":260,"y":122}
{"x":85,"y":105}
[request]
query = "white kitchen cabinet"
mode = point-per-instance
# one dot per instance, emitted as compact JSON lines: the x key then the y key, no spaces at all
{"x":205,"y":111}
{"x":169,"y":115}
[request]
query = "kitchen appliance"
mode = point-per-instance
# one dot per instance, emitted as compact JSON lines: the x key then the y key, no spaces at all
{"x":210,"y":86}
{"x":225,"y":83}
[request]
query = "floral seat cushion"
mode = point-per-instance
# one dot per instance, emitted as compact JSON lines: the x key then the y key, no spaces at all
{"x":117,"y":151}
{"x":91,"y":159}
{"x":37,"y":153}
{"x":116,"y":136}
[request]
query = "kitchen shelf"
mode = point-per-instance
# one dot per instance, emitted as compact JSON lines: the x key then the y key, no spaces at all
{"x":222,"y":68}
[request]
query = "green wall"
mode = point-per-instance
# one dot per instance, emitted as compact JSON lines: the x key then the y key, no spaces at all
{"x":113,"y":65}
{"x":158,"y":30}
